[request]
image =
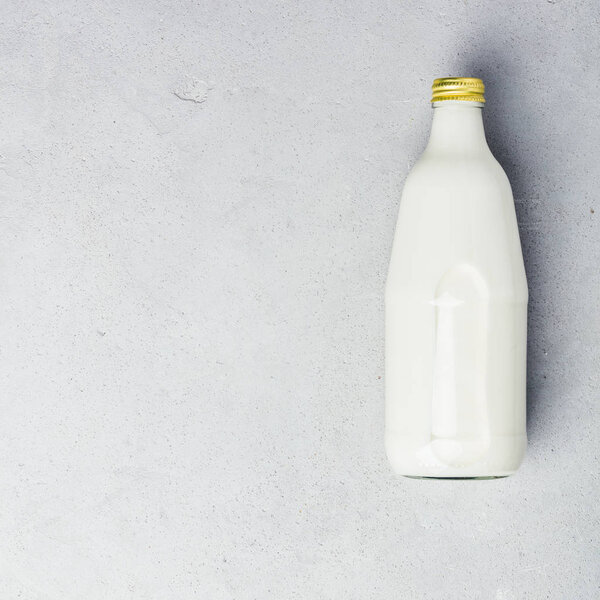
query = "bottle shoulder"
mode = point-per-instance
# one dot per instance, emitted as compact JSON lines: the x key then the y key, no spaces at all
{"x":451,"y":172}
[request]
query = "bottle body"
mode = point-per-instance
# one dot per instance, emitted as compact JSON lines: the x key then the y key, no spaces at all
{"x":456,"y":312}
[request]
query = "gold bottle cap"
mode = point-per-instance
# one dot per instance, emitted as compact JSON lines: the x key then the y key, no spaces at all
{"x":458,"y":88}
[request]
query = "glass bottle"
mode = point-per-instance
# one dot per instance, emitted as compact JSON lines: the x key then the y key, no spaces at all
{"x":456,"y":305}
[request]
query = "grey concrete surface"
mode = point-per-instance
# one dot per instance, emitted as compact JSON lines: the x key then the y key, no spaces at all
{"x":197,"y":207}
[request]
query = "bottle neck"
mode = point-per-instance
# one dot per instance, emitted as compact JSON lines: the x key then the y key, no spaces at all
{"x":457,"y":128}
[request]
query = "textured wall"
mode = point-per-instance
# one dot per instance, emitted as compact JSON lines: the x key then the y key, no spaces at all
{"x":197,"y":203}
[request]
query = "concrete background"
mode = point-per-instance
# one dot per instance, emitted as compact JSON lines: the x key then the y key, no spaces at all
{"x":197,"y":207}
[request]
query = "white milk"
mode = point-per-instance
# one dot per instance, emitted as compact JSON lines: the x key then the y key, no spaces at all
{"x":456,"y":309}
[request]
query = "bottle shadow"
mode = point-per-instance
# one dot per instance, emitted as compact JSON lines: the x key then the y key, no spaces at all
{"x":503,"y":130}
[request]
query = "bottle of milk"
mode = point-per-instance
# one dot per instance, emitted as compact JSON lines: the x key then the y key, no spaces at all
{"x":456,"y":305}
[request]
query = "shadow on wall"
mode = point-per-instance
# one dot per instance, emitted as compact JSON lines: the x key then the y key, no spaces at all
{"x":504,"y":129}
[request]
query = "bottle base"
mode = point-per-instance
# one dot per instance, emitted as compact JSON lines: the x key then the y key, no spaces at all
{"x":474,"y":478}
{"x":423,"y":457}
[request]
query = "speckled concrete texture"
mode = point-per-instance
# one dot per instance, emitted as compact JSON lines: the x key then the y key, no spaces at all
{"x":197,"y":208}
